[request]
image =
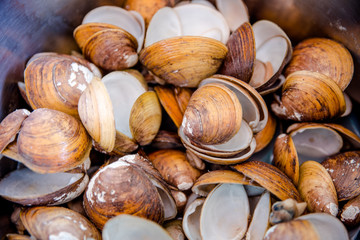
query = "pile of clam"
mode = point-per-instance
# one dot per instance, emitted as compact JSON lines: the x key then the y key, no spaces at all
{"x":156,"y":131}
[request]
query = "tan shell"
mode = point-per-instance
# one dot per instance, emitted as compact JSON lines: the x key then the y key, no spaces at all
{"x":184,"y":61}
{"x":57,"y":222}
{"x":145,"y":118}
{"x":309,"y":96}
{"x":213,"y":115}
{"x":52,"y":141}
{"x":270,"y":178}
{"x":344,"y":171}
{"x":317,"y":189}
{"x":95,"y":110}
{"x":112,"y":49}
{"x":264,"y":137}
{"x":239,"y":61}
{"x":286,"y":158}
{"x":56,"y":81}
{"x":120,"y":188}
{"x":175,"y":168}
{"x":182,"y":96}
{"x":10,"y":126}
{"x":350,"y":213}
{"x":332,"y":59}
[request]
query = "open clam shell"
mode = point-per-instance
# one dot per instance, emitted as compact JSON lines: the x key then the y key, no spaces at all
{"x":344,"y":171}
{"x":52,"y":141}
{"x":317,"y":189}
{"x":309,"y":96}
{"x":131,"y":227}
{"x":332,"y":59}
{"x":57,"y":223}
{"x":184,"y":61}
{"x":234,"y":11}
{"x":191,"y":219}
{"x":28,"y":188}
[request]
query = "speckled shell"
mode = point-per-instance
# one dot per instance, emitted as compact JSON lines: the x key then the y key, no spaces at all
{"x":57,"y":223}
{"x":52,"y":141}
{"x":344,"y":171}
{"x":121,"y":188}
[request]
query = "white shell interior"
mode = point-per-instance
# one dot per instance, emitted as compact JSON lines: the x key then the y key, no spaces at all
{"x":191,"y":219}
{"x":260,"y":218}
{"x":25,"y":184}
{"x":225,"y":213}
{"x":190,"y":20}
{"x":234,"y":11}
{"x":131,"y":227}
{"x":130,"y":21}
{"x":317,"y":141}
{"x":123,"y":89}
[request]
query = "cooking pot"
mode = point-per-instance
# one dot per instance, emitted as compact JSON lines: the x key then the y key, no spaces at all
{"x":31,"y":26}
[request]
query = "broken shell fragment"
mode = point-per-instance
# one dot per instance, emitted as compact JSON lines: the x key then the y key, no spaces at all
{"x":317,"y":189}
{"x":57,"y":223}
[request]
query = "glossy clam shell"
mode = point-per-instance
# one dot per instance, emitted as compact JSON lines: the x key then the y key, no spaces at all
{"x":344,"y":171}
{"x":269,"y":177}
{"x":184,"y":61}
{"x":56,"y":81}
{"x":239,"y":61}
{"x":57,"y":222}
{"x":119,"y":188}
{"x":182,"y":96}
{"x":213,"y":115}
{"x":264,"y":137}
{"x":325,"y":56}
{"x":112,"y":49}
{"x":309,"y":96}
{"x":52,"y":141}
{"x":317,"y":189}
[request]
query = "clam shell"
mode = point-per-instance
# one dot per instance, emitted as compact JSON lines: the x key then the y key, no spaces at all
{"x":286,"y":158}
{"x":269,"y":177}
{"x":191,"y":219}
{"x":195,"y":161}
{"x":112,"y":49}
{"x":235,"y":12}
{"x":184,"y":61}
{"x":309,"y":96}
{"x":182,"y":96}
{"x":174,"y":228}
{"x":213,"y":115}
{"x":166,"y":140}
{"x":264,"y":137}
{"x":174,"y":168}
{"x":29,"y":188}
{"x":169,"y":102}
{"x":332,"y":59}
{"x":10,"y":126}
{"x":131,"y":227}
{"x":57,"y":81}
{"x":57,"y":222}
{"x":145,"y":118}
{"x":52,"y":141}
{"x":350,"y":213}
{"x":317,"y":189}
{"x":344,"y":171}
{"x":239,"y":61}
{"x":120,"y":188}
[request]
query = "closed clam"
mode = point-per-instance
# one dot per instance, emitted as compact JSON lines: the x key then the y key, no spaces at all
{"x":56,"y":81}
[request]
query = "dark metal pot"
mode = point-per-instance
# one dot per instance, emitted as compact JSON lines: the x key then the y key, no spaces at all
{"x":31,"y":26}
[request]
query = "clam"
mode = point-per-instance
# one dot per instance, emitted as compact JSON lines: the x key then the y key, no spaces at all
{"x":56,"y":81}
{"x":350,"y":213}
{"x":309,"y":96}
{"x":191,"y":38}
{"x":309,"y":226}
{"x":132,"y":227}
{"x":114,"y":31}
{"x":194,"y":160}
{"x":57,"y":223}
{"x":174,"y":228}
{"x":343,"y":169}
{"x":317,"y":189}
{"x":124,"y":187}
{"x":234,"y":11}
{"x":175,"y":168}
{"x":29,"y":188}
{"x":283,"y":211}
{"x":50,"y":141}
{"x":191,"y":219}
{"x":166,"y":140}
{"x":129,"y":118}
{"x":264,"y":137}
{"x":332,"y":59}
